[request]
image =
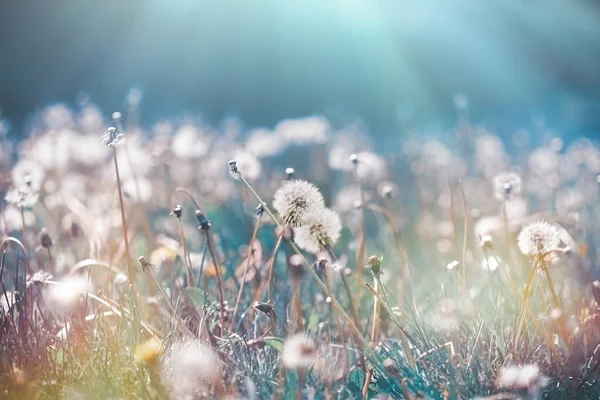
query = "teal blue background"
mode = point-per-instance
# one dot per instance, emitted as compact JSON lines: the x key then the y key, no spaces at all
{"x":389,"y":63}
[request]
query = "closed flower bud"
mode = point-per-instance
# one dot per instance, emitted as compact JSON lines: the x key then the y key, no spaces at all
{"x":45,"y":239}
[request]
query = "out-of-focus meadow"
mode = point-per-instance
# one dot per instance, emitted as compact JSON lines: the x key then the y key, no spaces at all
{"x":236,"y":244}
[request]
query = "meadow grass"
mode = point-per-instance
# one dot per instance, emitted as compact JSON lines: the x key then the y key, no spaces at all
{"x":296,"y":263}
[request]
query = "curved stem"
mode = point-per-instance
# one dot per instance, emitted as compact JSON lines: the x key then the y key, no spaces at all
{"x":241,"y":290}
{"x":130,"y":272}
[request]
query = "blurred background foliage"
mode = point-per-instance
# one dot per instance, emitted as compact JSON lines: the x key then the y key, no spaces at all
{"x":393,"y":64}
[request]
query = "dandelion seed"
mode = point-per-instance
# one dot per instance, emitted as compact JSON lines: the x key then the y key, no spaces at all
{"x":538,"y":238}
{"x":299,"y":352}
{"x":322,"y":232}
{"x":112,"y":138}
{"x":297,"y":202}
{"x":507,"y":185}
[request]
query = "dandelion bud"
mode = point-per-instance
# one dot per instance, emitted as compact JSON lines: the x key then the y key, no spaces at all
{"x":259,"y":210}
{"x":289,"y":173}
{"x":203,"y":221}
{"x":321,"y":265}
{"x":596,"y":291}
{"x":178,"y":211}
{"x":374,"y":262}
{"x":234,"y":170}
{"x":263,"y":307}
{"x":45,"y":239}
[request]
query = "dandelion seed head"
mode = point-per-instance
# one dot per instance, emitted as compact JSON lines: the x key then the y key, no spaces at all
{"x":507,"y":185}
{"x":299,"y":352}
{"x":298,"y":202}
{"x":320,"y":233}
{"x":538,"y":238}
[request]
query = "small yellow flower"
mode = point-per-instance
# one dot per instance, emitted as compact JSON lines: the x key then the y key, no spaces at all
{"x":149,"y":350}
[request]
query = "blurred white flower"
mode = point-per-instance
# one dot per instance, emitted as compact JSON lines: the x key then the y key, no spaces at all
{"x":525,"y":378}
{"x":90,"y":119}
{"x":28,"y":172}
{"x":188,"y":367}
{"x":297,"y":202}
{"x":490,"y":155}
{"x":321,"y":232}
{"x":544,"y":161}
{"x":57,"y":116}
{"x":303,"y":130}
{"x":86,"y":150}
{"x":189,"y":142}
{"x":247,"y":164}
{"x":139,"y":190}
{"x":507,"y":185}
{"x":65,"y":296}
{"x":52,"y":150}
{"x":298,"y":352}
{"x":264,"y":143}
{"x":371,"y":167}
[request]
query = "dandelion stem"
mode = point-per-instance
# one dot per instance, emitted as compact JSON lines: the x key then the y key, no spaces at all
{"x":525,"y":300}
{"x":186,"y":256}
{"x":241,"y":290}
{"x":217,"y":267}
{"x":272,"y":267}
{"x":130,"y":272}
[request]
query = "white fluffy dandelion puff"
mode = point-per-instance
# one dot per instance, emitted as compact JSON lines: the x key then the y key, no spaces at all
{"x":320,"y":233}
{"x":538,"y":238}
{"x":523,"y":379}
{"x":507,"y":185}
{"x":297,"y":202}
{"x":188,"y":367}
{"x":298,"y":352}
